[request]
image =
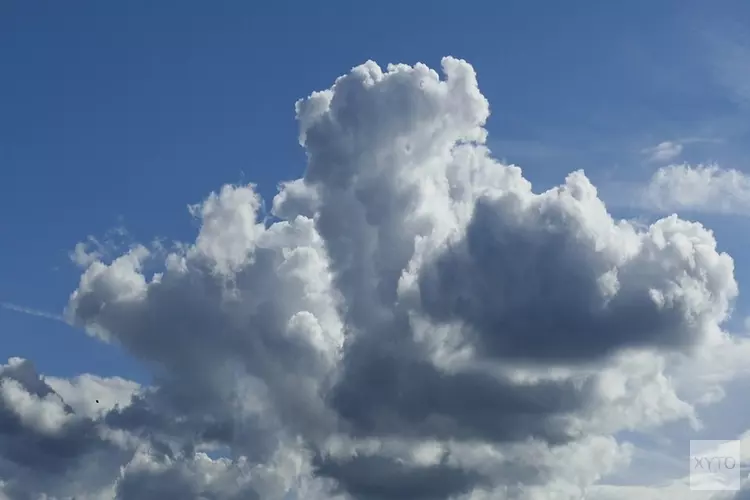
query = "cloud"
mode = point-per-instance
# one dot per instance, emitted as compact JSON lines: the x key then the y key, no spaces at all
{"x":45,"y":446}
{"x":668,"y":151}
{"x":680,"y":487}
{"x":31,"y":311}
{"x":664,"y":151}
{"x":702,"y":188}
{"x":416,"y":323}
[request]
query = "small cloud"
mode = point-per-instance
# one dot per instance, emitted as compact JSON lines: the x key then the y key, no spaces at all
{"x":703,"y":188}
{"x":664,"y":151}
{"x":82,"y":256}
{"x":668,"y":151}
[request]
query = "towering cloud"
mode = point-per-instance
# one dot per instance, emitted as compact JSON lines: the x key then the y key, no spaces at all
{"x":416,"y":322}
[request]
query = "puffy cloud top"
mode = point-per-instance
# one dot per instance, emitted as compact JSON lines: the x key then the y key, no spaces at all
{"x":703,"y":188}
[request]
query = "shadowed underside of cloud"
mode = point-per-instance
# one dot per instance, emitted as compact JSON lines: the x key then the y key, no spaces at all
{"x":418,"y":323}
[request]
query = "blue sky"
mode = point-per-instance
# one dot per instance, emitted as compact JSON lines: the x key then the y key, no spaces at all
{"x":115,"y":116}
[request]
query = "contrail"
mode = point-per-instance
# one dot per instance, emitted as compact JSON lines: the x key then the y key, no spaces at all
{"x":32,"y":312}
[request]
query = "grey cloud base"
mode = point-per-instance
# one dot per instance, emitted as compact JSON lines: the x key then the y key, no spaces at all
{"x":417,"y":323}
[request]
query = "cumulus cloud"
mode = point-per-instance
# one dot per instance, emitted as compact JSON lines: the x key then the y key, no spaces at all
{"x":704,"y":188}
{"x":416,"y":322}
{"x":47,"y":447}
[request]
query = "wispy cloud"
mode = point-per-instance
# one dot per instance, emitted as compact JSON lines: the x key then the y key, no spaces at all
{"x":664,"y":151}
{"x":31,"y":311}
{"x":668,"y":151}
{"x":729,"y":49}
{"x":93,"y":249}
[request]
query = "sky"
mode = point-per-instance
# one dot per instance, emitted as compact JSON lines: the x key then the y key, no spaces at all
{"x":245,"y":258}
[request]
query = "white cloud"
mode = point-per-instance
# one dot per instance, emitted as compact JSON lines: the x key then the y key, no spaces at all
{"x":678,"y":487}
{"x":45,"y":414}
{"x":419,"y":323}
{"x":669,"y":151}
{"x":91,"y":395}
{"x":31,"y":311}
{"x":703,"y":188}
{"x":47,"y":450}
{"x":664,"y":151}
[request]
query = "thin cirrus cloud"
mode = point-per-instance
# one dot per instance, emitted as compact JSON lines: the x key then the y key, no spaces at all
{"x":30,"y":311}
{"x":669,"y":151}
{"x":664,"y":151}
{"x":417,"y":323}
